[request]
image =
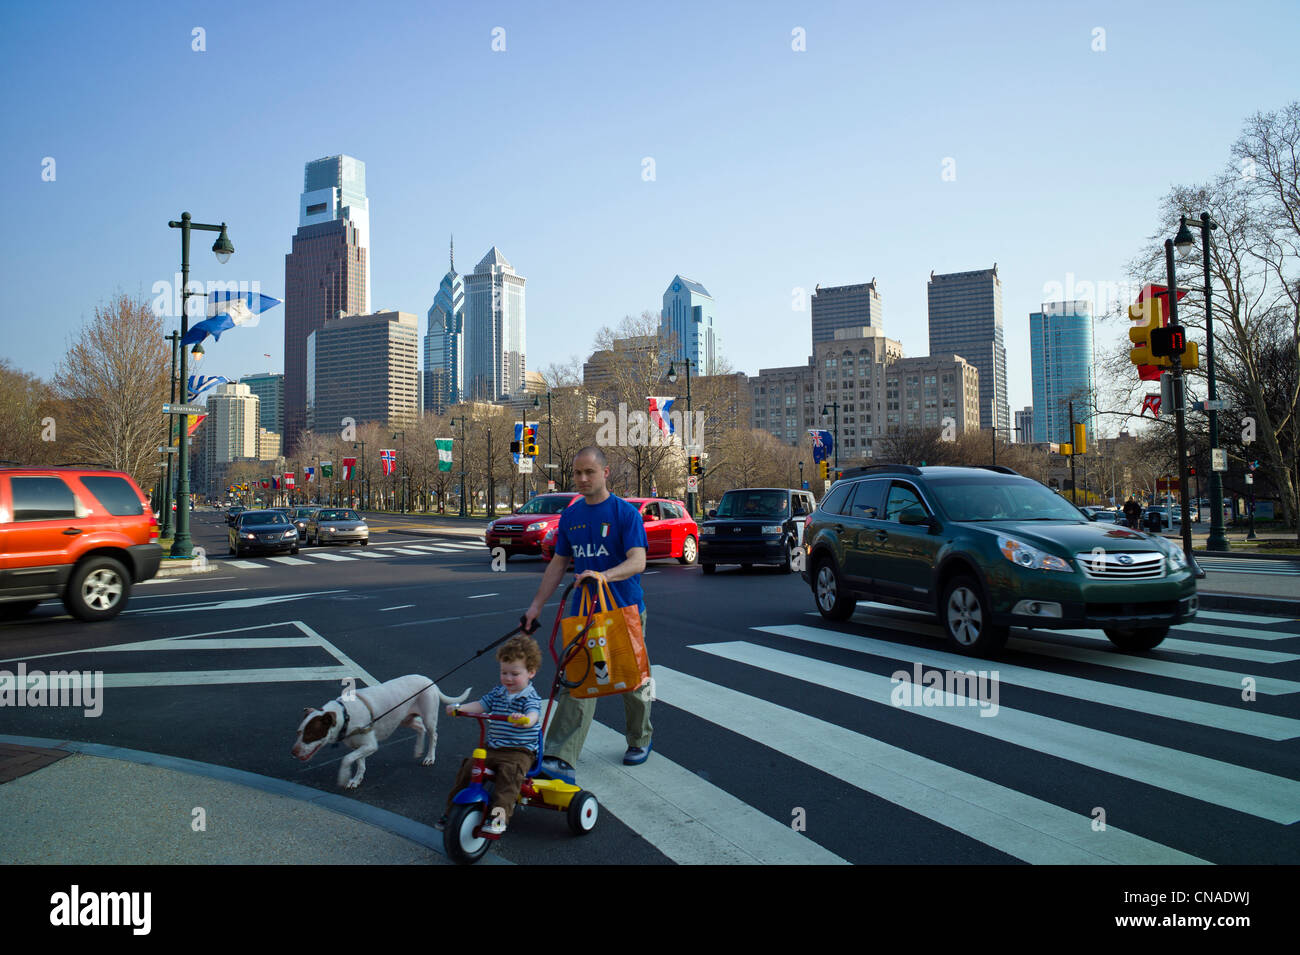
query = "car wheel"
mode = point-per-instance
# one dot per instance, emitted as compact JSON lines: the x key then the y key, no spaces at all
{"x":16,"y":609}
{"x":365,"y":542}
{"x":708,"y":568}
{"x":689,"y":551}
{"x":98,"y":589}
{"x":583,"y":812}
{"x":293,"y":550}
{"x":833,"y":602}
{"x":232,"y":549}
{"x":459,"y":839}
{"x":967,"y":620}
{"x":1142,"y":638}
{"x":787,"y":562}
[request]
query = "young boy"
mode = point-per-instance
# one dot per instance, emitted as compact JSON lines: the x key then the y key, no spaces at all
{"x":512,"y":746}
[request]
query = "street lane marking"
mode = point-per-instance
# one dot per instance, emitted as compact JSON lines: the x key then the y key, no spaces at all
{"x":1028,"y":828}
{"x":1234,"y":787}
{"x":407,"y":551}
{"x":1243,"y":633}
{"x":476,"y":596}
{"x":398,"y":607}
{"x":188,"y":593}
{"x":237,"y":604}
{"x":1242,"y":617}
{"x":364,"y":552}
{"x":289,"y":560}
{"x":322,"y":555}
{"x":689,"y":820}
{"x":1192,"y":647}
{"x":246,"y":564}
{"x":1247,"y":722}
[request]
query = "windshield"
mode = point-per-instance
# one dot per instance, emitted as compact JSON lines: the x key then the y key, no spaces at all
{"x":263,"y":517}
{"x":545,"y":504}
{"x":973,"y":499}
{"x":338,"y":516}
{"x":756,"y":504}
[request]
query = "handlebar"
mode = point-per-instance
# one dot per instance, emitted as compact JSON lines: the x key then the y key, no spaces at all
{"x":515,"y":718}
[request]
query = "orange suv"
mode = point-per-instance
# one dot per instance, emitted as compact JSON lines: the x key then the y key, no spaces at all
{"x":80,"y":534}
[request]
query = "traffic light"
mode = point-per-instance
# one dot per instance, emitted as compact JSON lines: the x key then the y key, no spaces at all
{"x":1146,"y":319}
{"x":824,"y":469}
{"x":516,"y":447}
{"x":1167,"y":341}
{"x":530,"y":442}
{"x":1080,"y":439}
{"x":693,"y":464}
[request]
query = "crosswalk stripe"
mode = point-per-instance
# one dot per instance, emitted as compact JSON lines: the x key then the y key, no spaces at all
{"x":325,"y":555}
{"x":1042,"y":645}
{"x":1242,"y":633}
{"x":289,"y":560}
{"x":1247,"y":722}
{"x":407,"y":551}
{"x":1018,"y":824}
{"x":364,"y":552}
{"x":1199,"y":777}
{"x":1242,"y":617}
{"x":689,"y":820}
{"x":246,"y":564}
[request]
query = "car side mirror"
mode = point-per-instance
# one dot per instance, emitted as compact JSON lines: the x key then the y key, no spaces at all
{"x":913,"y":516}
{"x":713,"y":513}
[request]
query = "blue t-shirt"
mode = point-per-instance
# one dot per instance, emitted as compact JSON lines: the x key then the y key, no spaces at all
{"x":598,"y":538}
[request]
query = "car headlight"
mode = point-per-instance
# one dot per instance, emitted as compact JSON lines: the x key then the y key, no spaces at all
{"x":771,"y":528}
{"x":251,"y":537}
{"x":288,"y":534}
{"x":536,"y":527}
{"x":708,"y":531}
{"x":1030,"y":558}
{"x":1174,"y":555}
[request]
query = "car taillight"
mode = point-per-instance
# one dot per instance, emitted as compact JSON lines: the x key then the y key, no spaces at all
{"x":153,"y":528}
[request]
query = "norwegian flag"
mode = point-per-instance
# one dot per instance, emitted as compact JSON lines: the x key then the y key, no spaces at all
{"x":388,"y":456}
{"x":1151,"y":403}
{"x":660,"y":409}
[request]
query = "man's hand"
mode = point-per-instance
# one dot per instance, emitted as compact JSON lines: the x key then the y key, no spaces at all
{"x":593,"y":574}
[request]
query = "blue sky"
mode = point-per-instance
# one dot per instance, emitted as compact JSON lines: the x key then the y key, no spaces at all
{"x":774,"y":169}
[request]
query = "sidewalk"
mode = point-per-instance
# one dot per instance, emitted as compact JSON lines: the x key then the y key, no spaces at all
{"x":69,"y":803}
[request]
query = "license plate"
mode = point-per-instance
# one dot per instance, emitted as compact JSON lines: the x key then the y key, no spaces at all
{"x":503,"y":540}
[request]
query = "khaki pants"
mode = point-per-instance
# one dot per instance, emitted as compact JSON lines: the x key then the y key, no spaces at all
{"x":571,"y":720}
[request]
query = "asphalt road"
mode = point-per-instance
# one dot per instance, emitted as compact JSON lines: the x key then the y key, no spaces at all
{"x":778,"y":736}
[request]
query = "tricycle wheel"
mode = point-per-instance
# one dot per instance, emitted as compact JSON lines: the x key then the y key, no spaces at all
{"x":458,"y":838}
{"x":583,"y":811}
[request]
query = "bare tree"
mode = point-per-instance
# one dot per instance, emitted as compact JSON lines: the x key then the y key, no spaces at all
{"x":113,"y":382}
{"x":27,"y":410}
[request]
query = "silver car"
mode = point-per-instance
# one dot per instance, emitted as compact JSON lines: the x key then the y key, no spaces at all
{"x":337,"y":525}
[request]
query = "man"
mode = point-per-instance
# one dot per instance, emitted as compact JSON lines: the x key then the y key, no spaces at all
{"x":1132,"y":513}
{"x":605,"y":536}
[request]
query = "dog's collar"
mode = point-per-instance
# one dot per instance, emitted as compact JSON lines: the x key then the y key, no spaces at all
{"x":343,"y":730}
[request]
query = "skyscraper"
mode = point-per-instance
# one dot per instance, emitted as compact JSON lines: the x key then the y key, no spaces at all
{"x":688,"y":313}
{"x":364,"y":367}
{"x":326,"y":274}
{"x":844,"y":306}
{"x":269,"y":389}
{"x":444,"y":343}
{"x":494,"y":330}
{"x":966,"y":319}
{"x":1061,"y":362}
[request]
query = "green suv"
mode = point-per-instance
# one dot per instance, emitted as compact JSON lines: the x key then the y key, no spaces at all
{"x":986,"y":550}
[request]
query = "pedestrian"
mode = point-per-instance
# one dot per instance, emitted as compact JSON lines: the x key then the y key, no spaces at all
{"x":511,"y":746}
{"x":1132,"y":512}
{"x":605,"y":536}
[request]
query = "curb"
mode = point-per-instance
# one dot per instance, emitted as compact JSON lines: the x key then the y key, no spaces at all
{"x":1244,"y":555}
{"x":391,"y":822}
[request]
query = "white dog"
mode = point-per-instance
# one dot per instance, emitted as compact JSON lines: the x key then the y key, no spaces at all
{"x":369,"y":716}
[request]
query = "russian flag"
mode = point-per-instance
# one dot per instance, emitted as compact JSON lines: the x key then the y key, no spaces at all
{"x":660,"y":408}
{"x":226,"y":309}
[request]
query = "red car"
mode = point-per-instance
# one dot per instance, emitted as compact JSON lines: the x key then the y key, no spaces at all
{"x":522,"y":531}
{"x":669,"y":530}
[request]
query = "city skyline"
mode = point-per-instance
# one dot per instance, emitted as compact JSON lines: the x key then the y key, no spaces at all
{"x":782,"y":217}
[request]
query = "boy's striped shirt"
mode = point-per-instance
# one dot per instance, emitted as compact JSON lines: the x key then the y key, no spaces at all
{"x":501,"y":734}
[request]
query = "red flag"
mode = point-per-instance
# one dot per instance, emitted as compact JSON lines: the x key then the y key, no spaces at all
{"x":1151,"y":402}
{"x":348,"y":465}
{"x":288,"y":480}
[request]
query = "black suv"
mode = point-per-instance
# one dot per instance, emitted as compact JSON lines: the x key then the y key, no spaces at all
{"x":755,"y":525}
{"x":987,"y":549}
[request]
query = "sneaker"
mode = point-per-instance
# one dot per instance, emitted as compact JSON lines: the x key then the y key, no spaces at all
{"x":494,"y":826}
{"x":554,"y":768}
{"x":636,"y":755}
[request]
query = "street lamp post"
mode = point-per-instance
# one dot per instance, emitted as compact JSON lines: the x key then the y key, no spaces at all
{"x":166,"y":505}
{"x":361,"y":478}
{"x":672,"y":378}
{"x":182,"y":546}
{"x":550,"y":434}
{"x":461,"y":419}
{"x":1180,"y":422}
{"x":835,"y":434}
{"x":801,"y":475}
{"x":1218,"y":539}
{"x":402,"y":479}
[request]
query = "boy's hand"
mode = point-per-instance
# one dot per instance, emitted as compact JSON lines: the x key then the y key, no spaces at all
{"x":519,"y":719}
{"x":451,"y":709}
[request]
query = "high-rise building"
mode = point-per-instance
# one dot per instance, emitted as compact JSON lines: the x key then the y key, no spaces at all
{"x":269,"y":389}
{"x":229,"y":432}
{"x":1061,"y":364}
{"x":326,"y":274}
{"x":494,"y":330}
{"x":444,"y":344}
{"x":782,"y":402}
{"x":844,"y":306}
{"x":966,"y":319}
{"x":688,"y":313}
{"x":335,"y":188}
{"x":364,"y":367}
{"x":851,"y":370}
{"x":1024,"y":432}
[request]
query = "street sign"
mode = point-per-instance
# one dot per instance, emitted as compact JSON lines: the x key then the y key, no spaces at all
{"x":1218,"y":459}
{"x":163,"y":449}
{"x":184,"y":409}
{"x":525,"y":465}
{"x":1219,"y":404}
{"x":550,"y":485}
{"x":692,"y":484}
{"x":1250,"y":479}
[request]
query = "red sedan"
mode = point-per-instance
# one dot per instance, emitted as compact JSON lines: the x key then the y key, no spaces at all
{"x":522,"y":531}
{"x":669,"y":530}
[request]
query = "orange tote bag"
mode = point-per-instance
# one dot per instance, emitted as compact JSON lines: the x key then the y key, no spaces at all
{"x":611,"y":656}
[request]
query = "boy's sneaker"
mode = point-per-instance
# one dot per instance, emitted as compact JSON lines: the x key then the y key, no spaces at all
{"x":636,"y":755}
{"x":554,"y":768}
{"x":495,"y":826}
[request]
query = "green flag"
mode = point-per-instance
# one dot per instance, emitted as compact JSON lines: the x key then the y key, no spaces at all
{"x":327,"y":469}
{"x":444,"y":453}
